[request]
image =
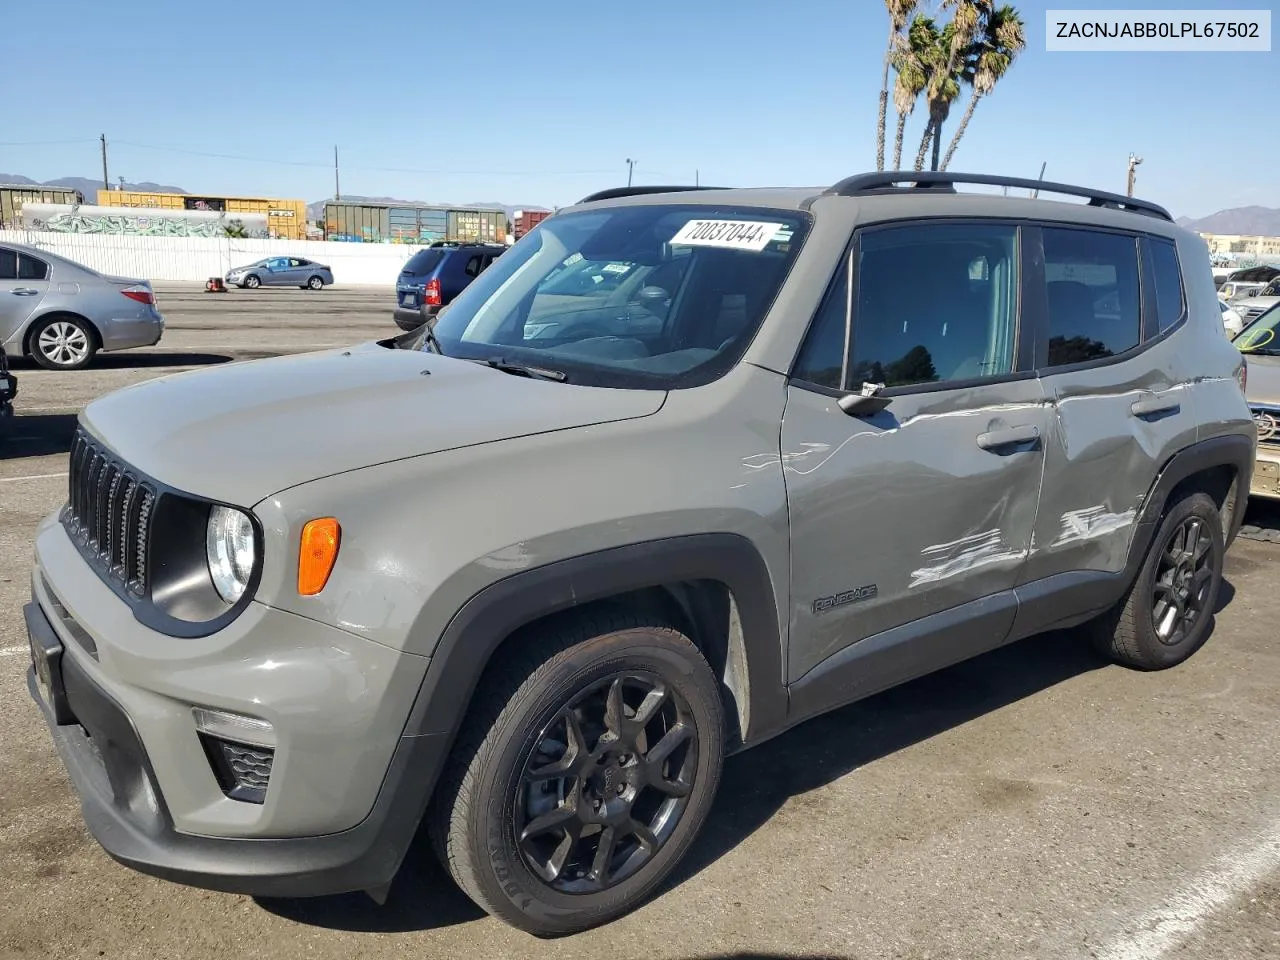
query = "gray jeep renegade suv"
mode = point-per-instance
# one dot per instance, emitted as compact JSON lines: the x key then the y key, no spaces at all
{"x":811,"y":444}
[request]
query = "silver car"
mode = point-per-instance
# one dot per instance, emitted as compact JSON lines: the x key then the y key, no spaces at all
{"x":61,"y":313}
{"x":282,"y":272}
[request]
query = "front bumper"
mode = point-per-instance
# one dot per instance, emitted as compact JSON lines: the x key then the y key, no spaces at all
{"x":1266,"y":473}
{"x":346,"y":790}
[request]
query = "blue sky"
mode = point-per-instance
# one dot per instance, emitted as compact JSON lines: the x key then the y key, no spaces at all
{"x":530,"y":102}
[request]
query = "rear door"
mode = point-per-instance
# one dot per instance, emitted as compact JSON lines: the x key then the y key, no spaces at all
{"x":1119,"y":389}
{"x":24,"y":282}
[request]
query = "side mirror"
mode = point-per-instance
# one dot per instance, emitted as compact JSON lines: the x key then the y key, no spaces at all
{"x":651,"y":295}
{"x":866,"y":403}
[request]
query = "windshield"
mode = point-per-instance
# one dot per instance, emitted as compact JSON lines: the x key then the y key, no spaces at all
{"x":1260,"y":336}
{"x":423,"y":262}
{"x":643,"y":296}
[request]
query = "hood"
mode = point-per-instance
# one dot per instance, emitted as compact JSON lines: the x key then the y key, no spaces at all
{"x":1264,"y":379}
{"x":1245,"y":303}
{"x":244,"y":431}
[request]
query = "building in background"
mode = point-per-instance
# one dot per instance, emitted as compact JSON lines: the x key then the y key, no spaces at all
{"x":1239,"y":243}
{"x":14,"y":195}
{"x":141,"y":222}
{"x":411,"y":223}
{"x":286,"y":219}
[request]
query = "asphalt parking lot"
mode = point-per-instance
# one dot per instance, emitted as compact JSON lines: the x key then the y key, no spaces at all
{"x":1032,"y":803}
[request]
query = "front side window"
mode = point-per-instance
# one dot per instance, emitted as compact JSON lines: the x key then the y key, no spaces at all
{"x":934,"y":303}
{"x":1093,"y":294}
{"x":649,"y":296}
{"x":8,"y":264}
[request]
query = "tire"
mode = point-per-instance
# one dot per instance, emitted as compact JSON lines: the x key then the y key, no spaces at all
{"x":1145,"y":630}
{"x":484,"y":809}
{"x":316,"y":283}
{"x":252,"y":281}
{"x":63,"y":343}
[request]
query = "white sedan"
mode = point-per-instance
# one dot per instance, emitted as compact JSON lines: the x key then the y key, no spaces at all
{"x":1232,"y":322}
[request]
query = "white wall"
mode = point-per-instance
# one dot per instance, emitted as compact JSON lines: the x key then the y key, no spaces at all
{"x":198,"y":258}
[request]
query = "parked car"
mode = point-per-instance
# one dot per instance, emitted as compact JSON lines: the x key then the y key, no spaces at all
{"x":1260,"y":346}
{"x":1263,"y":273}
{"x":434,"y":275}
{"x":61,"y":313}
{"x":797,"y":490}
{"x":1234,"y":290}
{"x":1252,"y":307}
{"x":1232,"y":322}
{"x":8,"y":390}
{"x":281,"y":272}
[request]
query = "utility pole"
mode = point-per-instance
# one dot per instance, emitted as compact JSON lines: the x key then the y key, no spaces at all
{"x":631,"y":165}
{"x":106,"y":181}
{"x":337,"y":191}
{"x":1133,"y":171}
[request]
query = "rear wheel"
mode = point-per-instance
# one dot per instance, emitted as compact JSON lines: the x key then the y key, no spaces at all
{"x":315,"y":283}
{"x":584,"y":772}
{"x":1166,"y":615}
{"x":62,"y":343}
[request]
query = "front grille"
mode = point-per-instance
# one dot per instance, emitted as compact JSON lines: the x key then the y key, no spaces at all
{"x":1267,"y":420}
{"x":109,"y":512}
{"x":1252,"y":313}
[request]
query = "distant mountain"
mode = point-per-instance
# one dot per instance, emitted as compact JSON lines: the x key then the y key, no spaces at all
{"x":1249,"y":221}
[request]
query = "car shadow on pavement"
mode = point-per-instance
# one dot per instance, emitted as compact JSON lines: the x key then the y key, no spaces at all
{"x":38,"y":435}
{"x":757,"y":783}
{"x":129,"y":361}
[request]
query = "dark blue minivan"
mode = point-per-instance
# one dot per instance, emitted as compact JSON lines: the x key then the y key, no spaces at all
{"x":435,"y":275}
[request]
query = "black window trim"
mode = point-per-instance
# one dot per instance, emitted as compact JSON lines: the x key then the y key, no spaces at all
{"x":1023,"y":345}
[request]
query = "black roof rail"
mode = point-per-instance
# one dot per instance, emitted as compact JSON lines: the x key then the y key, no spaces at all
{"x":889,"y":180}
{"x":615,"y":192}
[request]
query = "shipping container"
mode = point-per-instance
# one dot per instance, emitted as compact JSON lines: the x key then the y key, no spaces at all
{"x":411,"y":223}
{"x":14,"y":195}
{"x":286,"y":219}
{"x":522,"y":221}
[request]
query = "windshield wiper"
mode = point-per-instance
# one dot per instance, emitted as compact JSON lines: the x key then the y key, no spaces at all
{"x":524,"y":370}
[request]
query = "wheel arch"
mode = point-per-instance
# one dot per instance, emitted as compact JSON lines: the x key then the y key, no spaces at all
{"x":40,"y":318}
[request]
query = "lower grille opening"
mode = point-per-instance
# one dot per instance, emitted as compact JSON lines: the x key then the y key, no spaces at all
{"x":242,"y":771}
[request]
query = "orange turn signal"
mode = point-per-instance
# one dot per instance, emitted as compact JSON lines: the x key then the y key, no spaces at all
{"x":317,"y":554}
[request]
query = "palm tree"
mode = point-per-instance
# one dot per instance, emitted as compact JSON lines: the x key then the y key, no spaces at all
{"x":999,"y":44}
{"x":947,"y":69}
{"x":911,"y":64}
{"x":899,"y":13}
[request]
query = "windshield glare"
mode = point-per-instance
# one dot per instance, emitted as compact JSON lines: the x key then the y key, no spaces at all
{"x":637,"y":296}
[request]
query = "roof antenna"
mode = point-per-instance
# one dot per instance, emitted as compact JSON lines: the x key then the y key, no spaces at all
{"x":1036,"y":193}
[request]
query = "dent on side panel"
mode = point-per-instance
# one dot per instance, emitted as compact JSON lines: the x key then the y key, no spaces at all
{"x":421,"y":537}
{"x":1102,"y":458}
{"x":903,"y":515}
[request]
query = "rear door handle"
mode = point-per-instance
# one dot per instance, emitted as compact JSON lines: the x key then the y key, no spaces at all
{"x":24,"y":292}
{"x":996,"y":441}
{"x":1152,"y":406}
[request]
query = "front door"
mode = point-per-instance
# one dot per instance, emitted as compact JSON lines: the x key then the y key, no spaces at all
{"x":910,"y":526}
{"x":24,"y":281}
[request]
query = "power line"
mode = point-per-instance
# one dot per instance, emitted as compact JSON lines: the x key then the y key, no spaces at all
{"x":46,"y":143}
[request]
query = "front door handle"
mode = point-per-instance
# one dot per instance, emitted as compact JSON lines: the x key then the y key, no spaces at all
{"x":1154,"y":406}
{"x":996,"y":441}
{"x":24,"y":292}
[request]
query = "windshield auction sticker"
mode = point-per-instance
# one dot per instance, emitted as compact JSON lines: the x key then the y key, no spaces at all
{"x":730,"y":234}
{"x":1158,"y":31}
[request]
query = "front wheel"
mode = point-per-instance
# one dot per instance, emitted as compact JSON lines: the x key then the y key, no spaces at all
{"x":315,"y":283}
{"x":252,"y":282}
{"x":586,"y":768}
{"x":1165,"y":617}
{"x":62,"y":343}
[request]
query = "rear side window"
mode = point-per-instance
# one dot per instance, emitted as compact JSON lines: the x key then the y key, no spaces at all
{"x":29,"y":268}
{"x":473,"y":266}
{"x":423,"y":262}
{"x":1168,"y":283}
{"x":1093,"y":294}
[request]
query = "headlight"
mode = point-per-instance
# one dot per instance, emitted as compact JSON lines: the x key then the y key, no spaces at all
{"x":230,"y":550}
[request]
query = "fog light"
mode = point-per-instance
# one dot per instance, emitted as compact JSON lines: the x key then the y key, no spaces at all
{"x":234,"y":726}
{"x":240,"y":750}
